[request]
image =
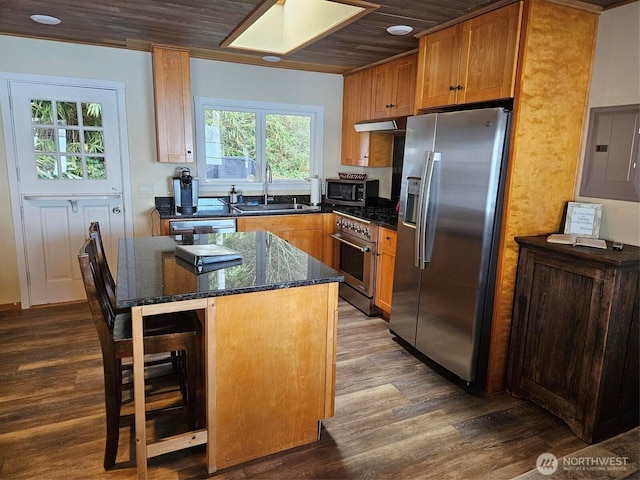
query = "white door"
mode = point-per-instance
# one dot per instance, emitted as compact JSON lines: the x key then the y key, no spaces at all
{"x":68,"y":156}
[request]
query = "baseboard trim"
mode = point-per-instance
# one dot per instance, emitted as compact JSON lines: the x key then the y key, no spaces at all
{"x":10,"y":307}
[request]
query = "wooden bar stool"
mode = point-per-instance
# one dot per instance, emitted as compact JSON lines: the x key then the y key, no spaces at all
{"x":169,"y":332}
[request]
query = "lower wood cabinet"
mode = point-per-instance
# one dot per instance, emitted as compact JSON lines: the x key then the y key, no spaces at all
{"x":305,"y":231}
{"x":574,"y":336}
{"x":309,"y":232}
{"x":386,"y":262}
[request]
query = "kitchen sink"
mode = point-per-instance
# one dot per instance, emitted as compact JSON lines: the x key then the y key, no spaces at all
{"x":273,"y":208}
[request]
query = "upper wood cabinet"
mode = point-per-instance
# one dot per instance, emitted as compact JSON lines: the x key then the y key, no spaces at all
{"x":369,"y":149}
{"x":356,"y":101}
{"x":393,"y":88}
{"x":172,"y":93}
{"x":474,"y":61}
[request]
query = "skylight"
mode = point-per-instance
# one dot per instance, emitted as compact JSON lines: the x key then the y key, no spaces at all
{"x":283,"y":26}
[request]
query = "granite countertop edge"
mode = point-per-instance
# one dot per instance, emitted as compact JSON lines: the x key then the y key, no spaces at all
{"x":230,"y":291}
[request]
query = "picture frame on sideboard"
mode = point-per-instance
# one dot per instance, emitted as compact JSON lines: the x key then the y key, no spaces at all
{"x":583,"y":219}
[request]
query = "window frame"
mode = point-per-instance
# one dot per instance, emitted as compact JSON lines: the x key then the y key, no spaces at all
{"x":261,"y":109}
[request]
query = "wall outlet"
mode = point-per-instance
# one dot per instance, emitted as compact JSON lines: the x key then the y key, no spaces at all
{"x":145,"y":188}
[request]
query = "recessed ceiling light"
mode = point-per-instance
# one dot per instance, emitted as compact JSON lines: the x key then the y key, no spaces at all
{"x":271,"y":58}
{"x":45,"y":19}
{"x":399,"y":29}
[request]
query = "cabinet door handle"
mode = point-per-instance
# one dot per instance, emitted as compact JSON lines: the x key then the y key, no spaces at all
{"x":451,"y":88}
{"x":459,"y":87}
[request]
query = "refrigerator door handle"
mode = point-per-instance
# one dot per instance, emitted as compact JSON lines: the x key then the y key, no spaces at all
{"x":424,"y":226}
{"x":422,"y":206}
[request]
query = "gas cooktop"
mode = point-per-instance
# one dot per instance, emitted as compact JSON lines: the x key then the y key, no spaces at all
{"x":385,"y":215}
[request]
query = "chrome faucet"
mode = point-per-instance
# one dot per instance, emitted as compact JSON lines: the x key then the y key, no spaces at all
{"x":268,"y":178}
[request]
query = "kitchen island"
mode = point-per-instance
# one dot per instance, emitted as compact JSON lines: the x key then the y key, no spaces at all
{"x":269,"y":329}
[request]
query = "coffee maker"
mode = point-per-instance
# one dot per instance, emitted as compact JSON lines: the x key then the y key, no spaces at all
{"x":185,"y":192}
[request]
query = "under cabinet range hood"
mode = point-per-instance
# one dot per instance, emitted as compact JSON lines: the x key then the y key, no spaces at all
{"x":389,"y":125}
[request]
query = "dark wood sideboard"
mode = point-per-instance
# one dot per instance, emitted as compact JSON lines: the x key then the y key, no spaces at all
{"x":574,"y":335}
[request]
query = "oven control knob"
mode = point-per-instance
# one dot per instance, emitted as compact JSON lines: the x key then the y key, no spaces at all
{"x":366,"y":232}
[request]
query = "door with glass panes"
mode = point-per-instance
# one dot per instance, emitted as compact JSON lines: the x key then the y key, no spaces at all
{"x":68,"y":159}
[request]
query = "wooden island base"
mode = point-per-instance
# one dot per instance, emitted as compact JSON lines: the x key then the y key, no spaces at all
{"x":270,"y":369}
{"x":275,"y":360}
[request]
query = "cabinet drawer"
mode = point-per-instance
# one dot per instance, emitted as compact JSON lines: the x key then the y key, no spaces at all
{"x":387,"y":241}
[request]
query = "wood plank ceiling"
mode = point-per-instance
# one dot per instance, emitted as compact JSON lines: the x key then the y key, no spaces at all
{"x":201,"y":25}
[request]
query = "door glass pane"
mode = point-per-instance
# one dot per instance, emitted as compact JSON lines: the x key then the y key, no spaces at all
{"x":47,"y":167}
{"x":288,"y":148}
{"x":44,"y":140}
{"x":96,"y":168}
{"x":92,"y":114}
{"x":41,"y":112}
{"x":69,"y":140}
{"x":230,"y":144}
{"x":67,"y":113}
{"x":93,"y":141}
{"x":71,"y":167}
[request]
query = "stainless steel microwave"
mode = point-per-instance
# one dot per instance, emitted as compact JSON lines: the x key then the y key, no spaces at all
{"x":356,"y":193}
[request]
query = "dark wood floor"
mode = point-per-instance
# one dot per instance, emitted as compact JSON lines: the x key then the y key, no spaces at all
{"x":396,"y":418}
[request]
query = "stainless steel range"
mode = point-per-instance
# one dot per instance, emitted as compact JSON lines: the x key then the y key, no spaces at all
{"x":355,"y":257}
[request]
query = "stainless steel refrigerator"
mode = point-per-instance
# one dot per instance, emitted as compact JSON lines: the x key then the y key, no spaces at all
{"x":448,"y":232}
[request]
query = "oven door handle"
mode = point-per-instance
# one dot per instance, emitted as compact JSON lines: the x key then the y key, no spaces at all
{"x":340,"y":239}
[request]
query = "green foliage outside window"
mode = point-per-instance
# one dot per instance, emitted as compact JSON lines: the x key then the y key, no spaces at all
{"x":288,"y":140}
{"x":65,"y":136}
{"x":289,"y":146}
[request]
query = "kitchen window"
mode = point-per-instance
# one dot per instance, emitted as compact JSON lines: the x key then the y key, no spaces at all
{"x":236,"y":140}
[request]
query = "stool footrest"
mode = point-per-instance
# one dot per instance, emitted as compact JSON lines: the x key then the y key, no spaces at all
{"x":177,"y":442}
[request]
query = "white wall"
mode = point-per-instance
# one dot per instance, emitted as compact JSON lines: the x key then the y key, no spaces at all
{"x":209,"y":78}
{"x":616,"y":81}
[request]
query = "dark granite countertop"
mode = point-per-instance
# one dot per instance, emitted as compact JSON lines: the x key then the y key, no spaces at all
{"x":268,"y":263}
{"x":209,"y":207}
{"x":381,"y":213}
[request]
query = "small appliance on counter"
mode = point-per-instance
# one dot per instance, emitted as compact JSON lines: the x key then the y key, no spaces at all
{"x":351,"y":192}
{"x":185,"y":192}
